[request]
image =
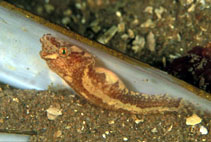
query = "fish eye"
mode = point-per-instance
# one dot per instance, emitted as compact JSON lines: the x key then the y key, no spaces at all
{"x":63,"y":51}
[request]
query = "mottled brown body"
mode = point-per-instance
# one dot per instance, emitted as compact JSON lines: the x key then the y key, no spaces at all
{"x":98,"y":85}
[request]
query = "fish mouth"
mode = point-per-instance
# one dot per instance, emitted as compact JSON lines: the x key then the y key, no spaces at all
{"x":48,"y":56}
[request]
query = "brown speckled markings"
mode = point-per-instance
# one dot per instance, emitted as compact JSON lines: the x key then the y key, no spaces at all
{"x":97,"y":84}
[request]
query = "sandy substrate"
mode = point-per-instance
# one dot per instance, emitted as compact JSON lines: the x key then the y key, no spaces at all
{"x":27,"y":112}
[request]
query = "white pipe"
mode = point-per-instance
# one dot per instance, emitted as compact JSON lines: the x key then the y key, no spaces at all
{"x":5,"y":137}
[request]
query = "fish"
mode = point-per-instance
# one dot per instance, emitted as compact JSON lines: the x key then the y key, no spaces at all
{"x":97,"y":84}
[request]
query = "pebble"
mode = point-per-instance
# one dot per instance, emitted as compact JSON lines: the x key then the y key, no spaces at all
{"x":49,"y":8}
{"x":118,"y":14}
{"x":135,"y":22}
{"x":1,"y":120}
{"x":151,"y":41}
{"x":39,"y":9}
{"x":83,"y":20}
{"x":138,"y":44}
{"x":78,"y":5}
{"x":107,"y":36}
{"x":65,"y":20}
{"x":131,"y":33}
{"x":192,"y":8}
{"x":67,"y":12}
{"x":125,"y":139}
{"x":111,"y":122}
{"x":125,"y":36}
{"x":186,"y":2}
{"x":135,"y":48}
{"x":148,"y":24}
{"x":53,"y":112}
{"x":170,"y":128}
{"x":95,"y":26}
{"x":58,"y":134}
{"x":139,"y":40}
{"x":159,"y":12}
{"x":164,"y":61}
{"x":203,"y":130}
{"x":107,"y":132}
{"x":104,"y":136}
{"x":121,"y":27}
{"x":154,"y":130}
{"x":15,"y":100}
{"x":137,"y":121}
{"x":193,"y":120}
{"x":148,"y":9}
